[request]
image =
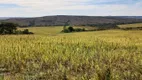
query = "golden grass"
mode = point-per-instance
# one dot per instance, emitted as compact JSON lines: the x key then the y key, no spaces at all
{"x":44,"y":30}
{"x":51,"y":55}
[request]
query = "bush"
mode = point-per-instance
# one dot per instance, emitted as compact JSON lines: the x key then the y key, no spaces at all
{"x":79,"y":29}
{"x":83,"y":29}
{"x":26,"y":31}
{"x":65,"y":31}
{"x":132,"y":28}
{"x":18,"y":32}
{"x":71,"y":29}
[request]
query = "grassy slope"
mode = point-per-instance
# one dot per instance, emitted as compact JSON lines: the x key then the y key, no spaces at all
{"x":111,"y":54}
{"x":130,"y":25}
{"x":44,"y":30}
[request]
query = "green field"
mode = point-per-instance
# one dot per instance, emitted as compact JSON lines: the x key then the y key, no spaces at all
{"x":51,"y":55}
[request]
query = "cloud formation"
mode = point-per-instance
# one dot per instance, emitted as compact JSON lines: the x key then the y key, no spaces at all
{"x":46,"y":4}
{"x":70,"y":7}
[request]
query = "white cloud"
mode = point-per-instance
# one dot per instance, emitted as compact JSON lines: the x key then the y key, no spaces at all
{"x":55,"y":7}
{"x":119,"y":10}
{"x":48,"y":5}
{"x":44,"y":6}
{"x":111,"y":7}
{"x":36,"y":4}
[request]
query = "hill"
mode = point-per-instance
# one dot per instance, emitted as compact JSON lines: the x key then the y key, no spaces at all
{"x":4,"y":18}
{"x":74,"y":20}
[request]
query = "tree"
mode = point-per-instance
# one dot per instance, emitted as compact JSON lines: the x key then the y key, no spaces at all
{"x":66,"y":24}
{"x":71,"y":29}
{"x":8,"y":28}
{"x":11,"y":28}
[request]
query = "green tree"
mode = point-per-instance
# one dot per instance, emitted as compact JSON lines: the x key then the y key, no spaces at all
{"x":66,"y":24}
{"x":8,"y":28}
{"x":71,"y":29}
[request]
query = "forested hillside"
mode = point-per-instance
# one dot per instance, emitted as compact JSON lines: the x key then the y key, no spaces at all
{"x":74,"y":20}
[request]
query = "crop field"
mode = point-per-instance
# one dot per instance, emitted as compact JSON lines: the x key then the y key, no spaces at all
{"x":51,"y":55}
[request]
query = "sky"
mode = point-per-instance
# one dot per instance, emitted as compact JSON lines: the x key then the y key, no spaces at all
{"x":37,"y":8}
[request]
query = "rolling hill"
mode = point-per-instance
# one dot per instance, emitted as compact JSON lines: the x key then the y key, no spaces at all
{"x":74,"y":20}
{"x":4,"y":18}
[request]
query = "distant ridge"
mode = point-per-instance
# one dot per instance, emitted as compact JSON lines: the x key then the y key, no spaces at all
{"x":4,"y":18}
{"x":60,"y":20}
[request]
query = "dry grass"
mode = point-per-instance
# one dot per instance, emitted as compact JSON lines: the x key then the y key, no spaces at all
{"x":102,"y":55}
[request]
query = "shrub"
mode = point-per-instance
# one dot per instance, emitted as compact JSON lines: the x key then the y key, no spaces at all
{"x":18,"y":32}
{"x":26,"y":31}
{"x":83,"y":29}
{"x":79,"y":29}
{"x":71,"y":29}
{"x":65,"y":31}
{"x":132,"y":28}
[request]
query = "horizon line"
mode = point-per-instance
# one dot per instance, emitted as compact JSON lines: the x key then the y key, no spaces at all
{"x":70,"y":15}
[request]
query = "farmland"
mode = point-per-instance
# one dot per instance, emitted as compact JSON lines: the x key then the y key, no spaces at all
{"x":51,"y":55}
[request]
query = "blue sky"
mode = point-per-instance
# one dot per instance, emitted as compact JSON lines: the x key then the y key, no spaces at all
{"x":36,"y":8}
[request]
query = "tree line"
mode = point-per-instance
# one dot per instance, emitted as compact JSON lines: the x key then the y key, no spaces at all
{"x":11,"y":28}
